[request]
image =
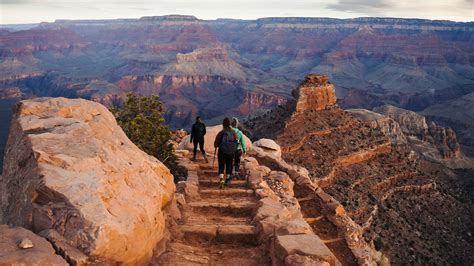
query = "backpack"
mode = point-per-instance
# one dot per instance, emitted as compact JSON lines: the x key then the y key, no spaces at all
{"x":228,"y":144}
{"x":199,"y":129}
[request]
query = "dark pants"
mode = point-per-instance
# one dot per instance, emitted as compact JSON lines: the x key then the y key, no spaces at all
{"x":225,"y":162}
{"x":201,"y":146}
{"x":237,"y":156}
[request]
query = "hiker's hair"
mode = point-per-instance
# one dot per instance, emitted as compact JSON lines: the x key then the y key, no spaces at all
{"x":235,"y":121}
{"x":226,"y":123}
{"x":197,"y":118}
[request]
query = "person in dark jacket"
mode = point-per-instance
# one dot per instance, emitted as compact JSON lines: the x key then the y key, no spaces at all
{"x":197,"y":137}
{"x":226,"y":141}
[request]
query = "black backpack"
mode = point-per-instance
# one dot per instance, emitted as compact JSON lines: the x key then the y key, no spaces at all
{"x":200,"y":129}
{"x":228,"y":143}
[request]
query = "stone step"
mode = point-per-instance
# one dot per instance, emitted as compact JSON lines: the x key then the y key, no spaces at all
{"x":197,"y":218}
{"x":211,"y":171}
{"x":214,"y":183}
{"x":226,"y":192}
{"x":224,"y":207}
{"x":211,"y":254}
{"x":228,"y":234}
{"x":208,"y":172}
{"x":208,"y":166}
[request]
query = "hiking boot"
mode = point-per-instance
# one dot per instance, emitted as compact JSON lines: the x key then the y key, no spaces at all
{"x":237,"y":175}
{"x":228,"y":180}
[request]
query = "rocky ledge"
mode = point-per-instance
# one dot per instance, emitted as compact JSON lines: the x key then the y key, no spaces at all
{"x":70,"y":168}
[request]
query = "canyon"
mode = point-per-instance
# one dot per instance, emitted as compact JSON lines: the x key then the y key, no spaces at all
{"x":326,"y":186}
{"x":369,"y":162}
{"x":197,"y":65}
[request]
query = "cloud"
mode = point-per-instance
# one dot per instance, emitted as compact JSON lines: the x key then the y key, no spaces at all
{"x":371,"y":7}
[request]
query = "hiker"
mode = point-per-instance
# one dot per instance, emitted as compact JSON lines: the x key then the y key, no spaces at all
{"x":241,"y":147}
{"x":226,"y":141}
{"x":197,"y":137}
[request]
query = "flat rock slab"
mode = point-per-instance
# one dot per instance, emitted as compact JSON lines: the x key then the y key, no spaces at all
{"x":306,"y":245}
{"x":42,"y":252}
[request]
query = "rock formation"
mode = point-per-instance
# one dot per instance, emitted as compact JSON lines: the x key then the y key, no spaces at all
{"x":386,"y":124}
{"x":433,"y":142}
{"x":269,"y":145}
{"x":369,"y":164}
{"x":415,"y":125}
{"x":315,"y":93}
{"x":70,"y":167}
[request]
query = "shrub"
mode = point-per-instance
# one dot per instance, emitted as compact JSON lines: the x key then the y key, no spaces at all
{"x":142,"y":120}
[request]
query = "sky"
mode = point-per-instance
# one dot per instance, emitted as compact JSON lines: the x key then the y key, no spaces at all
{"x":34,"y":11}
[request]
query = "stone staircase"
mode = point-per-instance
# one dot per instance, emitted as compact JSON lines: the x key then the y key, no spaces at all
{"x":216,"y":227}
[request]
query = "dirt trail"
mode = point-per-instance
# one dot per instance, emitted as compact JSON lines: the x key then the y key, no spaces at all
{"x":217,"y":228}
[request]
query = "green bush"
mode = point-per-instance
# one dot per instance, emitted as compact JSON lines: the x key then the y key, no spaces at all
{"x":142,"y":119}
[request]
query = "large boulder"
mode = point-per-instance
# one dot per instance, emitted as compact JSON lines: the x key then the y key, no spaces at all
{"x":315,"y":93}
{"x":211,"y":133}
{"x":69,"y":167}
{"x":269,"y":146}
{"x":38,"y":251}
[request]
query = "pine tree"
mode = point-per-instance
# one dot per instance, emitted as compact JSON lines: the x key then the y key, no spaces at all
{"x":142,"y":120}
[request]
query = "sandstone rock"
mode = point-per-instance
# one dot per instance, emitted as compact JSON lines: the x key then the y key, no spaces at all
{"x":211,"y":133}
{"x":182,"y":153}
{"x":315,"y":93}
{"x":306,"y":245}
{"x":250,"y":161}
{"x":70,"y":167}
{"x":254,"y":177}
{"x":304,"y":261}
{"x":269,"y":145}
{"x":295,"y":227}
{"x":70,"y":253}
{"x":41,"y":252}
{"x":25,"y":243}
{"x":282,"y":181}
{"x":270,"y":207}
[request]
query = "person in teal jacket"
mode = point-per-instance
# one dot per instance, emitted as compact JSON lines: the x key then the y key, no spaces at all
{"x":241,"y":146}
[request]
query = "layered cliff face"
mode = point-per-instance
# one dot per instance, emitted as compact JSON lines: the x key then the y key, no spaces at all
{"x":399,"y":198}
{"x":413,"y":124}
{"x":70,"y":167}
{"x":315,"y":94}
{"x":414,"y":63}
{"x":406,"y":128}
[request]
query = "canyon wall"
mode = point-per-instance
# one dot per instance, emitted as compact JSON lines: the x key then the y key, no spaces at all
{"x":196,"y":65}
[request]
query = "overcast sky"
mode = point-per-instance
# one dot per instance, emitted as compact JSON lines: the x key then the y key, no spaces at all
{"x":27,"y":11}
